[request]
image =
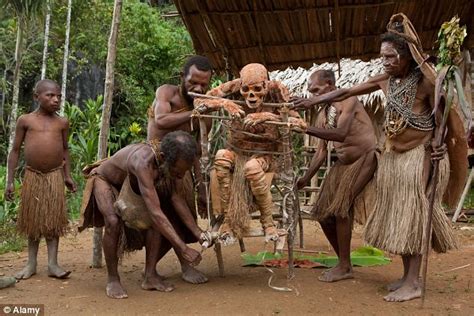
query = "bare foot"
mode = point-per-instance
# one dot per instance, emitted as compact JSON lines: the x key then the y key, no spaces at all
{"x":159,"y":275}
{"x":404,"y":293}
{"x":191,"y":275}
{"x":398,"y":284}
{"x":156,"y":283}
{"x":55,"y":271}
{"x":28,"y":271}
{"x":336,"y":274}
{"x":115,"y":290}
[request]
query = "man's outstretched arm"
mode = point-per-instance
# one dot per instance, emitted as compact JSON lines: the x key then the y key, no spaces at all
{"x":373,"y":84}
{"x":344,"y":123}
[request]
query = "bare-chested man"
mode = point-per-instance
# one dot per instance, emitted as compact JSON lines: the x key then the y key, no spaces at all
{"x":155,"y":171}
{"x":349,"y":126}
{"x":396,"y":224}
{"x":171,"y":111}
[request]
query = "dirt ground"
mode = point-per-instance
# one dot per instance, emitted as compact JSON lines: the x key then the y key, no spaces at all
{"x":244,"y":290}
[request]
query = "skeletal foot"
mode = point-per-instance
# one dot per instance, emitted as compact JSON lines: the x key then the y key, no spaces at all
{"x":271,"y":234}
{"x":55,"y":271}
{"x":404,"y":293}
{"x":28,"y":271}
{"x":398,"y":284}
{"x":337,"y":273}
{"x":115,"y":290}
{"x":225,"y":235}
{"x":156,"y":283}
{"x":191,"y":275}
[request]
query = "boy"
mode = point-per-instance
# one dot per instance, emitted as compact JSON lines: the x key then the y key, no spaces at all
{"x":42,"y":209}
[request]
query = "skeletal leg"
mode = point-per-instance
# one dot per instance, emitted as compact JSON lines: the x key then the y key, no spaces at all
{"x":255,"y":170}
{"x":224,"y":163}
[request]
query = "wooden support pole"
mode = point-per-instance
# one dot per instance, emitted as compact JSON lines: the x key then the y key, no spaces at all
{"x":463,"y":197}
{"x":204,"y":163}
{"x":288,"y":180}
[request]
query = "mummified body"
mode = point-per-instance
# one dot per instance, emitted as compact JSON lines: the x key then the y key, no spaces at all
{"x":248,"y":156}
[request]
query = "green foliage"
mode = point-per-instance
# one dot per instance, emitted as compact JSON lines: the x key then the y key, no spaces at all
{"x":450,"y":39}
{"x":362,"y":257}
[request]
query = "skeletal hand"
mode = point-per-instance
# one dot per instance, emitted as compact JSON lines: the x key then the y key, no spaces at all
{"x":253,"y":119}
{"x":202,"y":106}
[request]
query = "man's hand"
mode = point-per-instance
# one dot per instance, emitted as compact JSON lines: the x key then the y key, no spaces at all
{"x":298,"y":124}
{"x":10,"y":192}
{"x":192,"y":256}
{"x":254,"y":119}
{"x":301,"y":182}
{"x":438,"y":152}
{"x":71,"y":186}
{"x":302,"y":103}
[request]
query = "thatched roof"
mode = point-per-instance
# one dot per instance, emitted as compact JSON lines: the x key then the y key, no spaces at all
{"x":352,"y":73}
{"x":282,"y":33}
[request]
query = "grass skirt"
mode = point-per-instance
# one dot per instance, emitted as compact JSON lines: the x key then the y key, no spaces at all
{"x":401,"y":205}
{"x":42,"y":209}
{"x":337,"y":193}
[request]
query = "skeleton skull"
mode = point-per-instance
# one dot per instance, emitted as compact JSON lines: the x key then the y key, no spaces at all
{"x":254,"y":79}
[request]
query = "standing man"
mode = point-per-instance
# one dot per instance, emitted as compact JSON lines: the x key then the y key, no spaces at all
{"x":404,"y":169}
{"x":171,"y":111}
{"x":349,"y":126}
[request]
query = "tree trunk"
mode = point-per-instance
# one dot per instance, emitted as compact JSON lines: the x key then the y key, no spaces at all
{"x":4,"y":97}
{"x":16,"y":84}
{"x":106,"y":110}
{"x":46,"y":38}
{"x":66,"y":56}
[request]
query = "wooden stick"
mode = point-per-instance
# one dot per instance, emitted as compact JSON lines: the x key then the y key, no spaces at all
{"x":267,"y":104}
{"x":463,"y":197}
{"x":428,"y":229}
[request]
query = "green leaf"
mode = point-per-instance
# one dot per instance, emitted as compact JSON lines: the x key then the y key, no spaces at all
{"x":363,"y":257}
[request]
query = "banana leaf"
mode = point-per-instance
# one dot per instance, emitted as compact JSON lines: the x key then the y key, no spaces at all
{"x":362,"y":257}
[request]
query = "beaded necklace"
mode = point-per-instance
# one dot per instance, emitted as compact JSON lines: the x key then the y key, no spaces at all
{"x":399,"y":109}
